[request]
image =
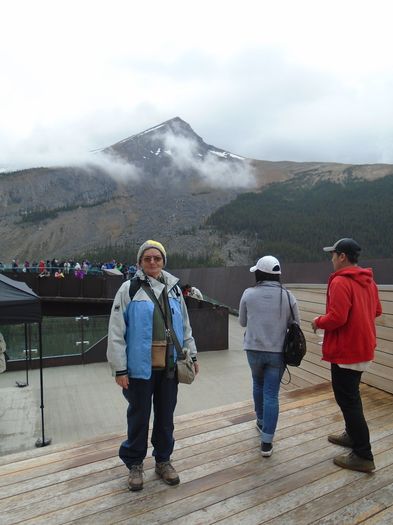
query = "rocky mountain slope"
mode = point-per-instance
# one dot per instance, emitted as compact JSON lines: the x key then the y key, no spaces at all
{"x":162,"y":183}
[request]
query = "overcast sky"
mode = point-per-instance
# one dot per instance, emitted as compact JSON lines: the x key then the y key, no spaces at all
{"x":276,"y":80}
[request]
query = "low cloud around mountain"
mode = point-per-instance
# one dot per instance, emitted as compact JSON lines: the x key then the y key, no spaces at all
{"x":211,"y":166}
{"x":163,"y":183}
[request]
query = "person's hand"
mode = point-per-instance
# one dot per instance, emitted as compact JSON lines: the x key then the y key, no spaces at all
{"x":196,"y":366}
{"x":314,"y":324}
{"x":122,"y":381}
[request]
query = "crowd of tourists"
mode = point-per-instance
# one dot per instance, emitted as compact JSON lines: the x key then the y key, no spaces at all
{"x":61,"y":268}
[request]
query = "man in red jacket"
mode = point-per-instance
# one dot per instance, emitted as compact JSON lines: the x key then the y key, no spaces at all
{"x":349,"y":341}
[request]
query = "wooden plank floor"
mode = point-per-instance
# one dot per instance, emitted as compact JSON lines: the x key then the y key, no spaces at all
{"x":223,"y":476}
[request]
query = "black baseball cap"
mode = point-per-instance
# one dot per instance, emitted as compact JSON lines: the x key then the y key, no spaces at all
{"x":346,"y":245}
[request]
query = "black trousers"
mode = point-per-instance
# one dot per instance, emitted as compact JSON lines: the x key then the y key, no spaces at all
{"x":345,"y":383}
{"x":140,"y":393}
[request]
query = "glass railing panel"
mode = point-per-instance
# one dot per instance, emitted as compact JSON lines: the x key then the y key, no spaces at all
{"x":61,"y":336}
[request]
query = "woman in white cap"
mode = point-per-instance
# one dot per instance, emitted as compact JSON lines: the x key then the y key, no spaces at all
{"x":265,"y":312}
{"x":143,"y":362}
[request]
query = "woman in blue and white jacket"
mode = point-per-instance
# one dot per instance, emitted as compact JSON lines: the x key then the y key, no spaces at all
{"x":136,"y":333}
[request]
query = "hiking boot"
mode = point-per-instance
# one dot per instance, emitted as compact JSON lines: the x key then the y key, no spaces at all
{"x":259,"y":426}
{"x":168,"y":474}
{"x":135,"y":478}
{"x":354,"y":462}
{"x":341,"y":439}
{"x":266,"y":449}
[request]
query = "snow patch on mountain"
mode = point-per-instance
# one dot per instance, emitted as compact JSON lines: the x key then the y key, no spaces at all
{"x":225,"y":154}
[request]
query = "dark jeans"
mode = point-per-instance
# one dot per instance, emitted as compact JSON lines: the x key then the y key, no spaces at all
{"x":345,"y":383}
{"x":139,"y":395}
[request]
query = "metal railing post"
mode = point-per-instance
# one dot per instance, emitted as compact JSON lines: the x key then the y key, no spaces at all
{"x":82,"y":342}
{"x":41,"y":442}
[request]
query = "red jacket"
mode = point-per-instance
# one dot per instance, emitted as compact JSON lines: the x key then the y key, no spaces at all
{"x":352,"y":304}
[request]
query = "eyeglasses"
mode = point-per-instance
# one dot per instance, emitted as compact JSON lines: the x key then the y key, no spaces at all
{"x":155,"y":258}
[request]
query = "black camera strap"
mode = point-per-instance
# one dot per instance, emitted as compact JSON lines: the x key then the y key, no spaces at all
{"x":169,"y":331}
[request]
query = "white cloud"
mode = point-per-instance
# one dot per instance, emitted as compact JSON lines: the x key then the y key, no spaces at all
{"x":300,"y":80}
{"x":116,"y":168}
{"x":215,"y":172}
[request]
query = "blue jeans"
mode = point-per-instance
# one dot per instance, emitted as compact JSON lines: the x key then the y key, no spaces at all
{"x":267,"y":369}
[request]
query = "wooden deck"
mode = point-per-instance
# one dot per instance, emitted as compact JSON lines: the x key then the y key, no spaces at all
{"x":223,"y":476}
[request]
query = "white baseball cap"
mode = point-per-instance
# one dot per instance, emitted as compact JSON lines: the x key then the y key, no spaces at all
{"x":267,"y":264}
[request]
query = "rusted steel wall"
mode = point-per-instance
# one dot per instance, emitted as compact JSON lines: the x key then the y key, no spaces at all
{"x":226,"y":285}
{"x":209,"y":325}
{"x":91,"y":286}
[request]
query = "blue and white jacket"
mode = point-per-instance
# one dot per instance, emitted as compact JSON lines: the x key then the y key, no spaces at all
{"x":131,"y":327}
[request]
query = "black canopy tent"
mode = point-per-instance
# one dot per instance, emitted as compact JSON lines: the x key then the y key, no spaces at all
{"x":20,"y":305}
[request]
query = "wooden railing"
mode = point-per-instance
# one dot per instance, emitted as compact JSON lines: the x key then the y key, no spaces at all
{"x":311,"y":300}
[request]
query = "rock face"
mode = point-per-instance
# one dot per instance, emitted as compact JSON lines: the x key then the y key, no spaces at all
{"x":162,"y":183}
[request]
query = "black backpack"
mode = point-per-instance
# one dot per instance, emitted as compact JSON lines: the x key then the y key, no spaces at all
{"x":294,"y":348}
{"x":136,"y":283}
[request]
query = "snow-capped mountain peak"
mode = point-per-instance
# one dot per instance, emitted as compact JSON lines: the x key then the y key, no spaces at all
{"x":170,"y":138}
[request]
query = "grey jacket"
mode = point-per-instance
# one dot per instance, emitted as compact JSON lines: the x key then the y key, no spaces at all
{"x":264,"y":311}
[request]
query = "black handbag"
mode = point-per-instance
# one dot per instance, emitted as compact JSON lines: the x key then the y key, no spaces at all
{"x":294,"y":348}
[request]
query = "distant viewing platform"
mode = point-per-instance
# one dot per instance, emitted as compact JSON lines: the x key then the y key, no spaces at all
{"x":223,"y":284}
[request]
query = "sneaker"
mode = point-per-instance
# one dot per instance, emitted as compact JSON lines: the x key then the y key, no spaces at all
{"x":341,"y":439}
{"x":259,"y":426}
{"x":266,"y":449}
{"x":135,"y":478}
{"x":354,"y":462}
{"x":168,"y":474}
